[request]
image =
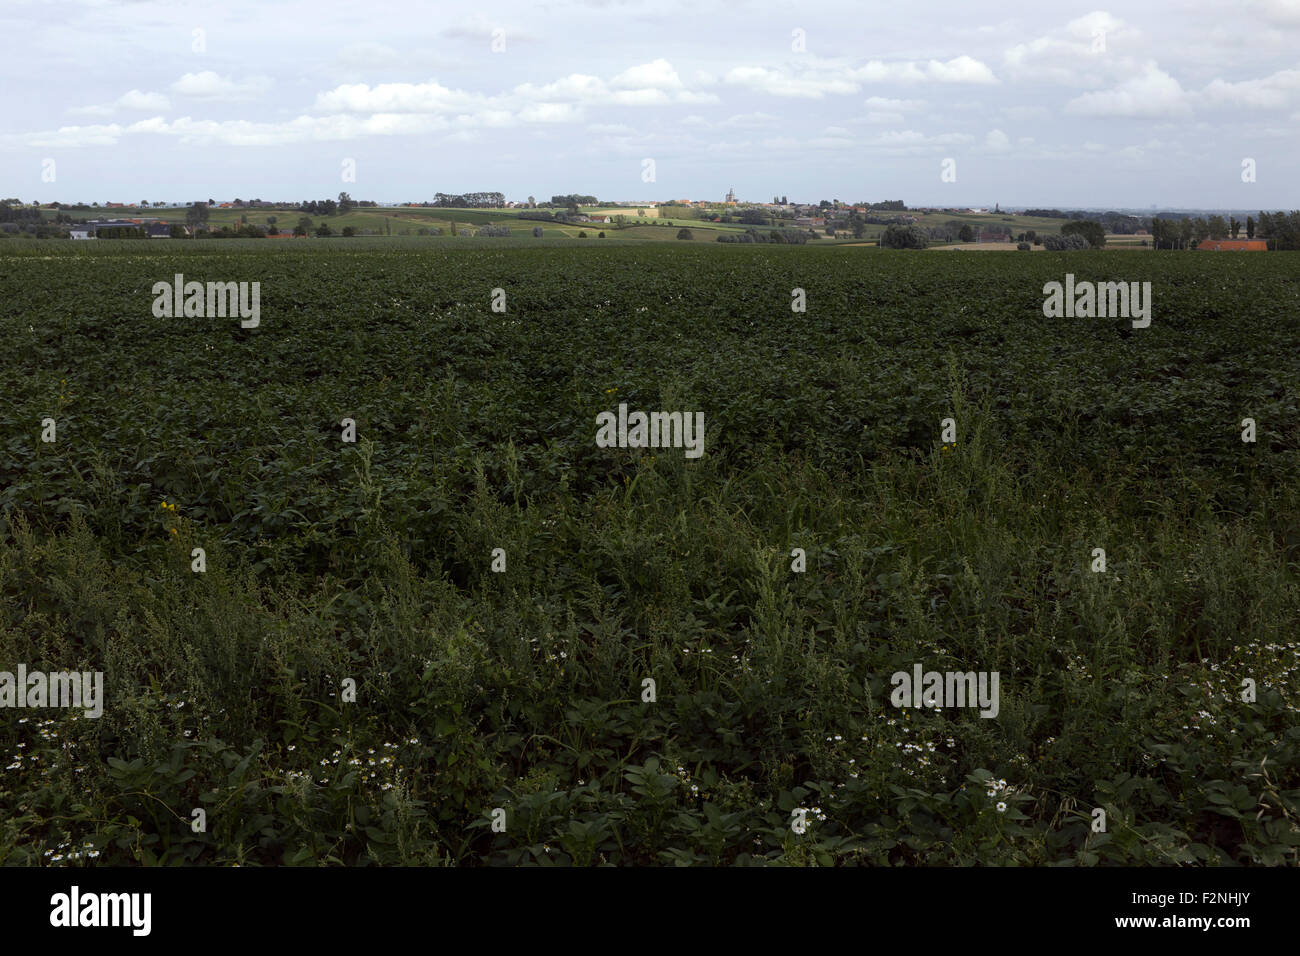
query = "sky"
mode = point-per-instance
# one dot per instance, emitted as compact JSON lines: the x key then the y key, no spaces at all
{"x":1168,"y":103}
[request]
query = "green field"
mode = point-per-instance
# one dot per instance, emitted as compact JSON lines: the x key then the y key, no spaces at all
{"x":371,"y":562}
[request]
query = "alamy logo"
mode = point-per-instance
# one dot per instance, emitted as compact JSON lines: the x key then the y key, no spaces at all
{"x":217,"y":300}
{"x":946,"y":689}
{"x":1098,"y":300}
{"x":103,"y":909}
{"x":653,"y":430}
{"x":55,"y":689}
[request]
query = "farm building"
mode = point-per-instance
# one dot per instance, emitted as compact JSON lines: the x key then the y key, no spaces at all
{"x":1233,"y":245}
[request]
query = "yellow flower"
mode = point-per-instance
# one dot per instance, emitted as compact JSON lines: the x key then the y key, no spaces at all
{"x":174,"y":531}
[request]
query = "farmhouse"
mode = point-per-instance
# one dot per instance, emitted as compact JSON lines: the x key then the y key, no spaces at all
{"x":1233,"y":245}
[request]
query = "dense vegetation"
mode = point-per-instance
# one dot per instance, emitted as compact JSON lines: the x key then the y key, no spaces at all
{"x":328,"y":561}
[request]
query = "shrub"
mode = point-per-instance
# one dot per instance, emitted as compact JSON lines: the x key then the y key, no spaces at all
{"x":582,"y":235}
{"x":1065,"y":243}
{"x":685,"y":233}
{"x":601,"y":236}
{"x":1092,"y":231}
{"x":903,"y":237}
{"x":537,"y":232}
{"x":1023,"y":246}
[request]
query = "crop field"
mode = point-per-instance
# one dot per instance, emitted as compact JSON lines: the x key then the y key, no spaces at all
{"x":475,"y":635}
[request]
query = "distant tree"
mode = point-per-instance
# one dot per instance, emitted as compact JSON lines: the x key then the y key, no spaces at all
{"x":1250,"y":227}
{"x":1092,"y":231}
{"x":1217,"y":228}
{"x":1234,"y":226}
{"x":903,"y":237}
{"x":1065,"y":242}
{"x":300,"y":230}
{"x":537,"y":232}
{"x":196,"y":215}
{"x":346,"y":205}
{"x":324,"y":230}
{"x":685,"y":233}
{"x":349,"y":232}
{"x":1024,"y":246}
{"x":965,"y":234}
{"x":531,"y":202}
{"x":600,"y":236}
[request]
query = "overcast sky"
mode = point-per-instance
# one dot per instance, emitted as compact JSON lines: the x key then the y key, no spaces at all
{"x":1037,"y":102}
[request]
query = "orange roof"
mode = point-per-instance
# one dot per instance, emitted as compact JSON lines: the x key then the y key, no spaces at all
{"x":1233,"y":245}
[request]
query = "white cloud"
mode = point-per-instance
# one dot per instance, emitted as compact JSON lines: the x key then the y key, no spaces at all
{"x":143,"y":102}
{"x":822,"y":78}
{"x":131,"y":100}
{"x":658,"y":74}
{"x":961,"y":69}
{"x":576,"y":89}
{"x":551,"y":113}
{"x":884,"y":103}
{"x":1270,"y":92}
{"x":1074,"y":54}
{"x":996,"y":141}
{"x":779,"y":83}
{"x":1152,"y":94}
{"x":211,"y":86}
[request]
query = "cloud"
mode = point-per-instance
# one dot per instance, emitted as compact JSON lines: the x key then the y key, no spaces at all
{"x":961,"y":69}
{"x":211,"y":86}
{"x":650,"y":84}
{"x":1282,"y":13}
{"x":824,"y":78}
{"x":1075,"y":53}
{"x":72,"y":137}
{"x":996,"y":142}
{"x":657,"y":74}
{"x":1270,"y":92}
{"x":134,"y":100}
{"x":1152,"y":94}
{"x":779,"y":83}
{"x":884,"y":103}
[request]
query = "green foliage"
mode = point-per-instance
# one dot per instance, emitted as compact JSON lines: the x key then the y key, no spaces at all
{"x":523,"y":689}
{"x":1093,"y":232}
{"x":906,"y":237}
